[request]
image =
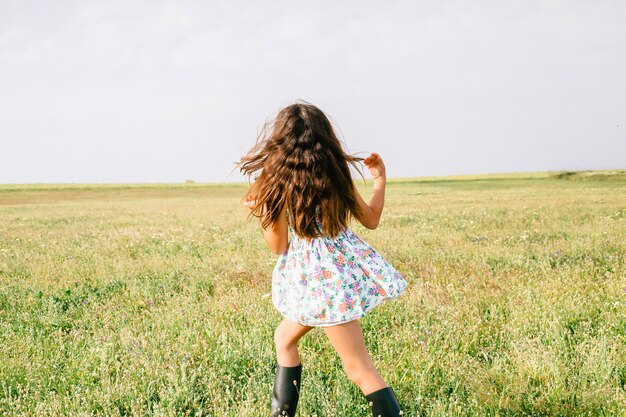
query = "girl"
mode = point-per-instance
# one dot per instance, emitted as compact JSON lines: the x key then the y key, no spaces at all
{"x":326,"y":275}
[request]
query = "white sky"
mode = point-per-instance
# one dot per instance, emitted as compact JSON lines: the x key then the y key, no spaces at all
{"x":164,"y":91}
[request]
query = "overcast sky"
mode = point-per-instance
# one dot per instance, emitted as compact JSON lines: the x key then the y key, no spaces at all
{"x":164,"y":91}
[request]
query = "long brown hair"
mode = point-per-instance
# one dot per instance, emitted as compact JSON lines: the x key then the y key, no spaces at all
{"x":300,"y":165}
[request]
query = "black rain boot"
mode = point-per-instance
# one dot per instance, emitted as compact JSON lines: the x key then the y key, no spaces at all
{"x":286,"y":391}
{"x":384,"y":403}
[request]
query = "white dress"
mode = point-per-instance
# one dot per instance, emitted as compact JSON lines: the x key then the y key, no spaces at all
{"x":327,"y":281}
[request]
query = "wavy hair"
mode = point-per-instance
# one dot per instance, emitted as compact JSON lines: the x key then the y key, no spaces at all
{"x":300,"y":165}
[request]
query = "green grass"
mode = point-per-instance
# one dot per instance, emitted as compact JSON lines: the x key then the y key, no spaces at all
{"x":124,"y":300}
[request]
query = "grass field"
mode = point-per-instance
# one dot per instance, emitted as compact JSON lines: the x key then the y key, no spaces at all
{"x":152,"y":300}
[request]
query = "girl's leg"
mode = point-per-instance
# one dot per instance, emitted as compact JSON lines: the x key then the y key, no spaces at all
{"x":286,"y":339}
{"x":286,"y":390}
{"x":347,"y":339}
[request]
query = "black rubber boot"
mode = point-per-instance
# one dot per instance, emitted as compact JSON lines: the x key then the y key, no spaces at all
{"x":384,"y":403}
{"x":286,"y":391}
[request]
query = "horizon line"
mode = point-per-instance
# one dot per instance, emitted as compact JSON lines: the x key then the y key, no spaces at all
{"x":191,"y":182}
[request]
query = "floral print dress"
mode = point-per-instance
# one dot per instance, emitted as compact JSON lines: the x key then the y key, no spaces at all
{"x":331,"y":280}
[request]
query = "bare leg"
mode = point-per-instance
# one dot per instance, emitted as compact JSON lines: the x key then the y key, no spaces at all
{"x":347,"y":339}
{"x":286,"y":339}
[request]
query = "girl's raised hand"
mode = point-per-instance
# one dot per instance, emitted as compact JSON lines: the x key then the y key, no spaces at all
{"x":375,"y":165}
{"x":249,"y":202}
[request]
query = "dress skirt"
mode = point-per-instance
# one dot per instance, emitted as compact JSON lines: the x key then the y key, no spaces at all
{"x":327,"y":281}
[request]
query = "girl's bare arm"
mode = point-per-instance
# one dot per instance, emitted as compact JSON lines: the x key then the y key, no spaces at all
{"x":276,"y":236}
{"x":371,"y":212}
